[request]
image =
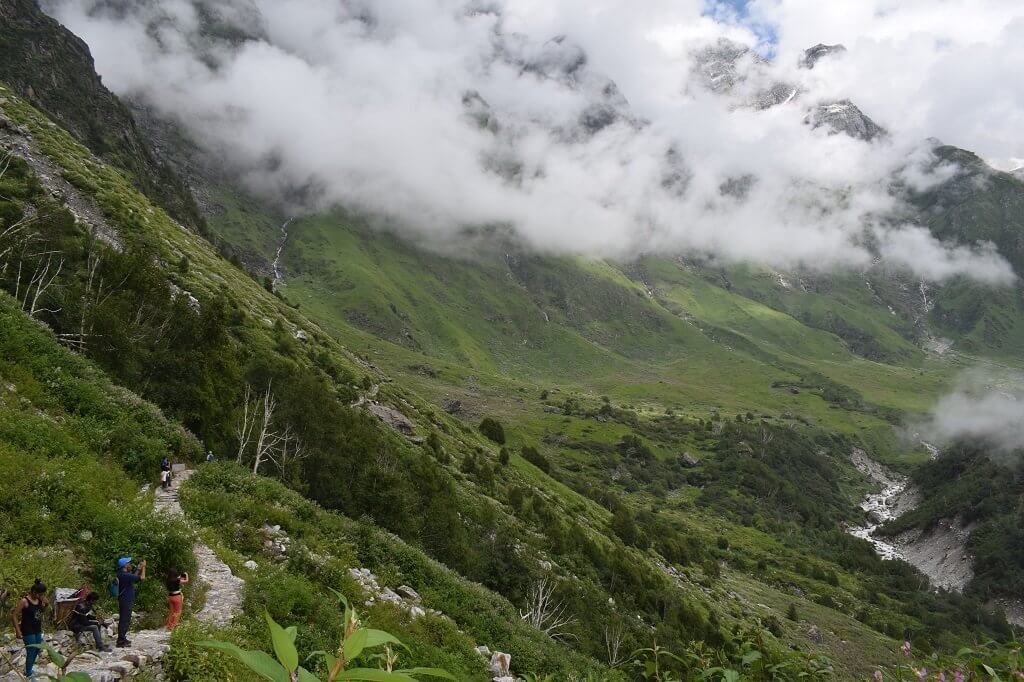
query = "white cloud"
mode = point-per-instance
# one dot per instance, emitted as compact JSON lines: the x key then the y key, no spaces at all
{"x":983,"y":406}
{"x":364,"y":104}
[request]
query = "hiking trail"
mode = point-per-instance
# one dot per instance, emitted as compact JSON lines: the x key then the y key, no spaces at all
{"x":222,"y":602}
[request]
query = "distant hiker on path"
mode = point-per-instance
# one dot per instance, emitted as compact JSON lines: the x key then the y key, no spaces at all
{"x":209,"y":456}
{"x":127,"y":576}
{"x":175,"y":599}
{"x":83,"y":620}
{"x":28,"y":622}
{"x":165,"y":473}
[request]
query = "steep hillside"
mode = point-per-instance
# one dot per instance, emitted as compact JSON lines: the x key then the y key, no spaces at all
{"x":51,"y":68}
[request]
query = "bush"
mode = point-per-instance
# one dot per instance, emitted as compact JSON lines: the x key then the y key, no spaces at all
{"x":493,"y":430}
{"x":533,"y":456}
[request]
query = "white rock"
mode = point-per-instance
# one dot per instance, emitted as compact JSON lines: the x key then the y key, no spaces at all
{"x":251,"y":565}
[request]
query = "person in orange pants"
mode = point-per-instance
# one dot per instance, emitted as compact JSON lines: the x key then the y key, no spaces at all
{"x":175,"y":600}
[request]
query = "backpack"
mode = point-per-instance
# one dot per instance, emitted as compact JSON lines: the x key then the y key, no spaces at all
{"x":115,"y":588}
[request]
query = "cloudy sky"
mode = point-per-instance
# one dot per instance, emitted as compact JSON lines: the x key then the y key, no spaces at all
{"x":588,"y":126}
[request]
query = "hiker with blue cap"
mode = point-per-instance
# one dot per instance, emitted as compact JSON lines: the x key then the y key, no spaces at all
{"x":127,"y":576}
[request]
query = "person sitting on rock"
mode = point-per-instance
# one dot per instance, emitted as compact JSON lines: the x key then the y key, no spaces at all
{"x":84,"y":621}
{"x":28,"y":622}
{"x":175,"y":600}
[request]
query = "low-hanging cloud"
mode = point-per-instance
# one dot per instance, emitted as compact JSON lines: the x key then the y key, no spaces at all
{"x":580,"y":127}
{"x":984,"y":407}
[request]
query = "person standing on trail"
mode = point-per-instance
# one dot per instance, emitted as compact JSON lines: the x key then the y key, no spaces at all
{"x":127,"y":577}
{"x":28,"y":622}
{"x":165,"y":473}
{"x":83,"y":620}
{"x":209,"y":456}
{"x":175,"y":600}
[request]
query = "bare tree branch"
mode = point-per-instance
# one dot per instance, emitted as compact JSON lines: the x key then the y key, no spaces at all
{"x":546,"y":614}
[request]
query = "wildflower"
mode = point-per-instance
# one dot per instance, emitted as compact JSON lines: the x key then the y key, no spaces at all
{"x":921,"y":673}
{"x":958,"y":676}
{"x":941,"y":677}
{"x":877,"y":677}
{"x":906,"y":649}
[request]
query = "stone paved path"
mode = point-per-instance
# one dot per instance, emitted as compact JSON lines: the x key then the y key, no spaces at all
{"x":223,"y":600}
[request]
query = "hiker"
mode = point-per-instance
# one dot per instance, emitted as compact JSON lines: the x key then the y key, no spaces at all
{"x":175,"y":599}
{"x":127,"y":576}
{"x":84,"y":621}
{"x":28,"y":622}
{"x":209,"y":456}
{"x":165,"y":473}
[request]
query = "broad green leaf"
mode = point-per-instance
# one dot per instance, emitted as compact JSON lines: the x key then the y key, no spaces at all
{"x":284,"y":644}
{"x":374,"y":675}
{"x":77,"y":677}
{"x":730,"y":676}
{"x":991,"y":672}
{"x":292,"y":632}
{"x":259,"y":662}
{"x":378,"y":637}
{"x":306,"y":676}
{"x":329,"y":659}
{"x":55,"y":656}
{"x":430,"y":672}
{"x":966,"y":651}
{"x":354,"y":644}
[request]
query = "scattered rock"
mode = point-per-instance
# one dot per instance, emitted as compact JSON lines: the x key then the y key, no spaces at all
{"x":552,"y":409}
{"x":251,"y":565}
{"x":814,"y":634}
{"x":392,"y":418}
{"x":452,"y":406}
{"x":687,"y":459}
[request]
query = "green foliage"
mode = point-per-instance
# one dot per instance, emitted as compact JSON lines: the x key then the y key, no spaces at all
{"x":493,"y":430}
{"x":534,"y":457}
{"x":186,"y":661}
{"x":354,"y":645}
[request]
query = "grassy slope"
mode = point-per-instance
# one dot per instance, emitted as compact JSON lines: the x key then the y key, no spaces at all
{"x":474,"y":328}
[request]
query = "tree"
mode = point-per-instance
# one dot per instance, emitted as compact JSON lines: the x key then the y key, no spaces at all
{"x":280,"y":447}
{"x":503,"y":457}
{"x":544,"y":612}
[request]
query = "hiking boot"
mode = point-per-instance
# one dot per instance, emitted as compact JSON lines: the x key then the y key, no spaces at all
{"x":123,"y":643}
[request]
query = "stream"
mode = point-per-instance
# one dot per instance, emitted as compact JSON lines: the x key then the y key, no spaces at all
{"x":277,"y":258}
{"x":889,"y":503}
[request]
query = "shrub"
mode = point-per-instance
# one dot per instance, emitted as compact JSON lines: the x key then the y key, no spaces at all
{"x":493,"y":430}
{"x":533,"y":456}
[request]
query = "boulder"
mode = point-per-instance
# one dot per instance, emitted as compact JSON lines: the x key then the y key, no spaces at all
{"x":392,"y":418}
{"x":814,"y":634}
{"x":453,"y":406}
{"x":408,"y":593}
{"x":500,"y":663}
{"x":688,"y":460}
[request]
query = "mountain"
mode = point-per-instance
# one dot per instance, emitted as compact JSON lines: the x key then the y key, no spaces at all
{"x":53,"y":69}
{"x":665,"y":447}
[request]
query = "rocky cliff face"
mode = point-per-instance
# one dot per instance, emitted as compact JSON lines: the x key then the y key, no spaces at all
{"x":53,"y":69}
